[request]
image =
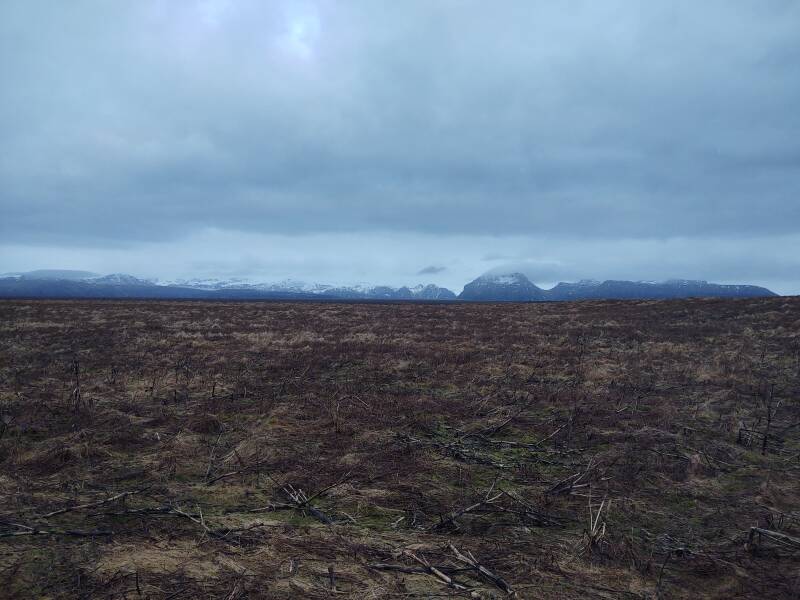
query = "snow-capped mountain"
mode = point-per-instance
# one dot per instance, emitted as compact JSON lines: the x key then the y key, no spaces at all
{"x":77,"y":284}
{"x":432,"y":292}
{"x":510,"y":287}
{"x":202,"y":284}
{"x":293,"y":286}
{"x":513,"y":287}
{"x":117,"y":279}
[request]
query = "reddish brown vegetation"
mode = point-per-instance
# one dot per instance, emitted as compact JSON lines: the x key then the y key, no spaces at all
{"x":599,"y":449}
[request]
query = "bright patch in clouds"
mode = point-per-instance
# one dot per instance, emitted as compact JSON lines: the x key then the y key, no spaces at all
{"x":302,"y":29}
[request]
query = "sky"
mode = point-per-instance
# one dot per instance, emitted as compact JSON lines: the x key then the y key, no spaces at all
{"x":402,"y":142}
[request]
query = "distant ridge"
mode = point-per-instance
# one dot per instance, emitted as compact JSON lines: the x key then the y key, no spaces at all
{"x":513,"y":287}
{"x":517,"y":287}
{"x":83,"y":284}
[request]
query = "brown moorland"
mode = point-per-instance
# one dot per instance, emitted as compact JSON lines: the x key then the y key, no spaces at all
{"x":309,"y":450}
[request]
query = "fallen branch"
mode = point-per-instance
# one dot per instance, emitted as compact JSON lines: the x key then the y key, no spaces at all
{"x":272,"y":507}
{"x":773,"y":535}
{"x":330,"y":487}
{"x":400,"y":568}
{"x":431,"y":570}
{"x":455,"y":515}
{"x":92,"y":504}
{"x":26,"y":530}
{"x":302,"y":503}
{"x":245,"y":469}
{"x":529,"y":511}
{"x":573,"y":482}
{"x":211,"y":455}
{"x":483,"y":571}
{"x":493,"y":430}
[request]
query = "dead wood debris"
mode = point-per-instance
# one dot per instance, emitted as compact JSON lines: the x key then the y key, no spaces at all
{"x":470,"y":560}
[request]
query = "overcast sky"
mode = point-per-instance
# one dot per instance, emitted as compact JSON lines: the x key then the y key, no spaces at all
{"x":402,"y":142}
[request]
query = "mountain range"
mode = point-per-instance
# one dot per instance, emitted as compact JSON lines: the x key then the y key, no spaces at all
{"x":517,"y":287}
{"x":513,"y":287}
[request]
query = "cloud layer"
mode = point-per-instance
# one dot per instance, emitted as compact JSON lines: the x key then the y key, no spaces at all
{"x":556,"y":126}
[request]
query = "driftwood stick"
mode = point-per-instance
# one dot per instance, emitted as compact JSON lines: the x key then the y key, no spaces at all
{"x":530,"y":511}
{"x":455,"y":515}
{"x":484,"y":572}
{"x":552,"y":435}
{"x":244,"y":469}
{"x":199,"y":521}
{"x":573,"y":481}
{"x":514,"y":415}
{"x":413,"y":570}
{"x":329,"y":488}
{"x":273,"y":506}
{"x":91,"y":504}
{"x":65,"y":532}
{"x":211,"y":455}
{"x":661,"y":573}
{"x":439,"y":574}
{"x":774,"y":535}
{"x":400,"y":568}
{"x":302,"y":502}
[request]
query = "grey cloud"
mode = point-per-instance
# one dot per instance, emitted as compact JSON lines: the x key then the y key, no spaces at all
{"x":431,"y":270}
{"x":494,"y":256}
{"x":146,"y":122}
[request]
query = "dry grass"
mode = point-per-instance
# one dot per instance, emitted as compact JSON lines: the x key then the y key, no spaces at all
{"x":173,"y":460}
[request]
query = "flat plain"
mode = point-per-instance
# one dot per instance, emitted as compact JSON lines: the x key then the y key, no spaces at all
{"x":307,"y":450}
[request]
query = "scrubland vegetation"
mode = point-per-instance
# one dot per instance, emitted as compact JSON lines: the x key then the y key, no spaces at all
{"x":267,"y":450}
